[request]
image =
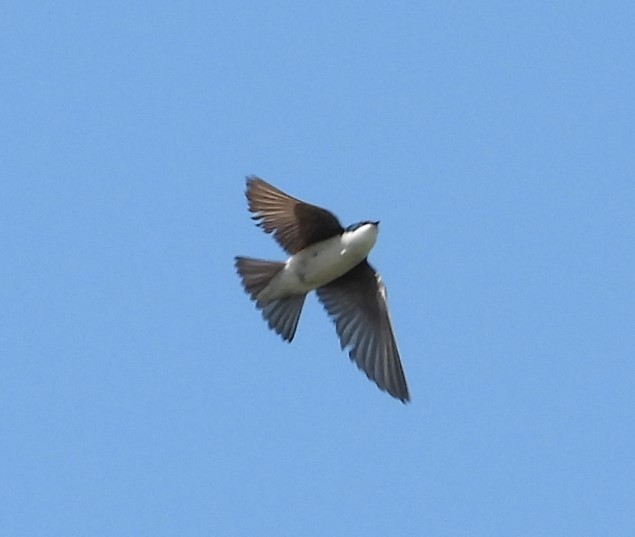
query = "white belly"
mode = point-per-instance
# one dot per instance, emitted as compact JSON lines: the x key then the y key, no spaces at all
{"x":320,"y":264}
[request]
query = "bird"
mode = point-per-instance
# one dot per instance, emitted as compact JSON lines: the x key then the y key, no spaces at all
{"x":331,"y":260}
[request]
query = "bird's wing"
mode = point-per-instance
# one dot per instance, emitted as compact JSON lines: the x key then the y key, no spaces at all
{"x":356,"y":302}
{"x":294,"y":223}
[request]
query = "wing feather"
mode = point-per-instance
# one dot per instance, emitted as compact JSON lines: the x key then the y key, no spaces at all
{"x":294,"y":223}
{"x":356,"y":302}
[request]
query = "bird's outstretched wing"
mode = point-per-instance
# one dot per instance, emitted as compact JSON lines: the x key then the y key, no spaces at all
{"x":356,"y":302}
{"x":294,"y":223}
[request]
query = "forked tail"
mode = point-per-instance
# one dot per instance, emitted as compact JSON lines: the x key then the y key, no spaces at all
{"x":282,"y":314}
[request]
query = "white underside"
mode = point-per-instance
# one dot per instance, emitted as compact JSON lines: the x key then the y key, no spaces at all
{"x":321,"y":263}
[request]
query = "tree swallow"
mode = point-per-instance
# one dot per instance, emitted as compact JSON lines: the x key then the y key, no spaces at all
{"x":331,"y":260}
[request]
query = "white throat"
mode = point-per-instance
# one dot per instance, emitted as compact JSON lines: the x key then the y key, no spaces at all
{"x":360,"y":241}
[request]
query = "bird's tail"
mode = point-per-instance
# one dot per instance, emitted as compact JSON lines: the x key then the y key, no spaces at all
{"x":282,"y":314}
{"x":256,"y":273}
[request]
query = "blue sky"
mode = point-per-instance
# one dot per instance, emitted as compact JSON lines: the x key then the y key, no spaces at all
{"x":140,"y":391}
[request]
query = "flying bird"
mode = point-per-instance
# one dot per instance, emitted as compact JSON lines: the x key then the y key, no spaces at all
{"x":332,"y":261}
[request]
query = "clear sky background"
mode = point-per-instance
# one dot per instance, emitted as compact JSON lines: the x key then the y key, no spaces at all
{"x":140,"y":391}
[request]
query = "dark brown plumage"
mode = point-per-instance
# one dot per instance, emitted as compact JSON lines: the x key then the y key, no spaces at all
{"x":294,"y":223}
{"x":355,"y":301}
